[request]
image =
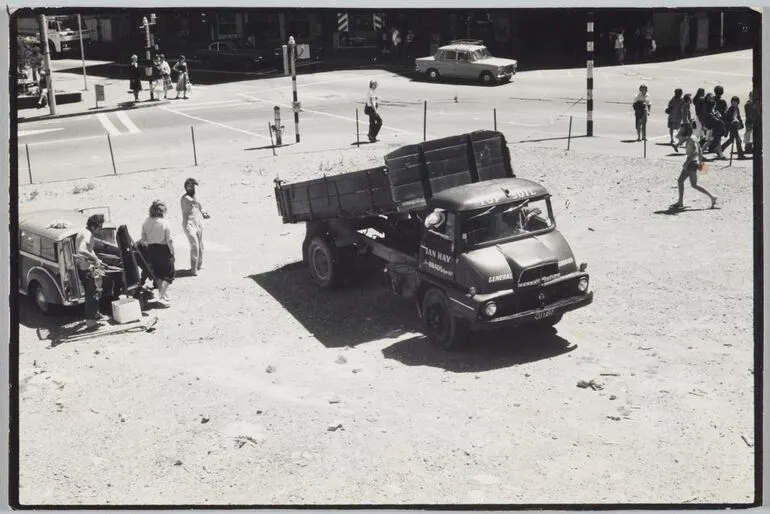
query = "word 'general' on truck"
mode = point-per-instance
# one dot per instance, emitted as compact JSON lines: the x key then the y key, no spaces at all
{"x":472,"y":245}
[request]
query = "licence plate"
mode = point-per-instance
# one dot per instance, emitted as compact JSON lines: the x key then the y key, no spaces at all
{"x":544,"y":314}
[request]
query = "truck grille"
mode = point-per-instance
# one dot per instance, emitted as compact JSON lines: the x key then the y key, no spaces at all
{"x":531,"y":299}
{"x":539,"y":272}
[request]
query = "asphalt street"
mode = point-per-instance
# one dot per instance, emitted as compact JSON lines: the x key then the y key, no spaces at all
{"x":229,"y":118}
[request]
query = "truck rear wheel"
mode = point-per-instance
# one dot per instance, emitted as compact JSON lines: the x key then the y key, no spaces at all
{"x":442,"y":328}
{"x":326,"y":262}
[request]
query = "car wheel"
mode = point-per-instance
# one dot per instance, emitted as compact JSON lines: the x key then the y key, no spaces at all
{"x":38,"y":295}
{"x":433,"y":74}
{"x":486,"y":78}
{"x":327,"y":263}
{"x":442,"y":328}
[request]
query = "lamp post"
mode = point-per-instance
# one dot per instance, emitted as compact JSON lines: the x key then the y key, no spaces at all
{"x":148,"y":49}
{"x":82,"y":54}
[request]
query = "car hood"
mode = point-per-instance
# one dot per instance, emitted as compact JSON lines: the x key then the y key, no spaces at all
{"x":497,"y":61}
{"x":498,"y":267}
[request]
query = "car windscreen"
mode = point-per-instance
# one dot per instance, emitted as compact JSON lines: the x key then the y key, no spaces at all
{"x":506,"y":221}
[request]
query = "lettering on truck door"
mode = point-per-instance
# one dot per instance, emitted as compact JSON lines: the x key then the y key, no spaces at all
{"x":437,"y":250}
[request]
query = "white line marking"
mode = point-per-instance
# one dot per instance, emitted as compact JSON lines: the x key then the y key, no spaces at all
{"x":73,"y":140}
{"x":23,"y":133}
{"x":690,"y":70}
{"x":317,"y":83}
{"x":324,"y":113}
{"x":215,"y":123}
{"x":216,"y":102}
{"x":124,"y":119}
{"x":235,"y":103}
{"x":107,"y":124}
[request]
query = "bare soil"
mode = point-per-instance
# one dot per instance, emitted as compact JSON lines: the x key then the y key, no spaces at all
{"x":258,"y":388}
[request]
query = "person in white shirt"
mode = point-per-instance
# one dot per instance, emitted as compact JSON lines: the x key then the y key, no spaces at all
{"x":641,"y":107}
{"x":192,"y":224}
{"x":620,"y":46}
{"x":375,"y":122}
{"x":166,"y":71}
{"x":156,"y":234}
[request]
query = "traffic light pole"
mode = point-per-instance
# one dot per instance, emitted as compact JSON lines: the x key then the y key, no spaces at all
{"x":47,"y":62}
{"x":148,"y":56}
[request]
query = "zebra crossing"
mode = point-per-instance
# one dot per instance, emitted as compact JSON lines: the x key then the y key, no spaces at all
{"x":123,"y":120}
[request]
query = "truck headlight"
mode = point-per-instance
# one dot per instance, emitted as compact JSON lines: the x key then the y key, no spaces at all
{"x":583,"y":284}
{"x":490,"y":309}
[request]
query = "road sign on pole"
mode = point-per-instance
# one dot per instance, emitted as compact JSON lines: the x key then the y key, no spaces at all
{"x":99,"y":93}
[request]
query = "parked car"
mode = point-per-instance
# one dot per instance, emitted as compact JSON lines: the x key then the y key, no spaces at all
{"x":467,"y":59}
{"x":237,"y":55}
{"x":46,"y":267}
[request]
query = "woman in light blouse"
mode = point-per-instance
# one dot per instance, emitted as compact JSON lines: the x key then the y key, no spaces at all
{"x":156,"y":234}
{"x":192,"y":223}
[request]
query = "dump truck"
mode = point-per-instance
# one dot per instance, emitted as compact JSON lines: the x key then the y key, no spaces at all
{"x":454,"y":230}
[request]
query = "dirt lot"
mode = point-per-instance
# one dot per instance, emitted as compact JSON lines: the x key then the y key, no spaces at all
{"x":236,"y":396}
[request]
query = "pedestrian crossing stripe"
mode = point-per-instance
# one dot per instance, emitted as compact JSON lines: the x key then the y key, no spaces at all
{"x":377,"y":21}
{"x":342,"y":22}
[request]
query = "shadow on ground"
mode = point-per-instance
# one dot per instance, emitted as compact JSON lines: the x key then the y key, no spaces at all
{"x":361,"y":312}
{"x":485,"y":351}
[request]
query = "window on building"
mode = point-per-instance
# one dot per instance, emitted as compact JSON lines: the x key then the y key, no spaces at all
{"x":227,"y":26}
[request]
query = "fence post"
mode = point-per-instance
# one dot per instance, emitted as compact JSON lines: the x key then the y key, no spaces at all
{"x":358,"y":133}
{"x":270,"y":131}
{"x":425,"y":121}
{"x":29,"y":166}
{"x":569,"y":135}
{"x":494,"y":111}
{"x":112,"y":155}
{"x":195,"y":152}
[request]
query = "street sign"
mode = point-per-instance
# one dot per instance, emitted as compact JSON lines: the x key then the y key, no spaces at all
{"x":296,"y":107}
{"x":99,"y":92}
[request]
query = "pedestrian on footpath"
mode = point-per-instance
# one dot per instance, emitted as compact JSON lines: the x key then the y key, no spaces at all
{"x":135,"y":77}
{"x":192,"y":223}
{"x":183,"y":82}
{"x":697,"y":103}
{"x":620,"y":46}
{"x":750,"y":110}
{"x":674,"y":111}
{"x":734,"y":126}
{"x":642,"y":108}
{"x":43,"y":87}
{"x":686,"y":121}
{"x":156,"y":234}
{"x":693,"y":162}
{"x":713,"y":125}
{"x":166,"y":72}
{"x":88,"y":268}
{"x":375,"y":121}
{"x":157,"y":84}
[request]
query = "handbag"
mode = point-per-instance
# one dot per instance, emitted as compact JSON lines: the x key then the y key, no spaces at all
{"x":368,"y":110}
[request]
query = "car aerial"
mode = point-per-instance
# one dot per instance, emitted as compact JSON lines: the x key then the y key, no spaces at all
{"x":467,"y":59}
{"x":46,"y":267}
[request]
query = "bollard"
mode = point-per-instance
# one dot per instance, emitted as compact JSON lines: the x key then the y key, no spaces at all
{"x":731,"y":152}
{"x":270,"y":131}
{"x":195,"y":153}
{"x":425,"y":121}
{"x":29,"y":166}
{"x":358,"y":133}
{"x":569,"y":135}
{"x":494,"y":111}
{"x":277,"y":127}
{"x":112,"y":155}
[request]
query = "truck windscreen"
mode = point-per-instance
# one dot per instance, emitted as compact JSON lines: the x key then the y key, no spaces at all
{"x":506,"y":221}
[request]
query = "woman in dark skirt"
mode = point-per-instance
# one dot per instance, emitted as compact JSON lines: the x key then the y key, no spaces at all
{"x":156,"y":234}
{"x":135,"y":76}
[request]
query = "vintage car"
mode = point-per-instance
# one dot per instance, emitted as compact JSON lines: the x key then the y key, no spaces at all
{"x":467,"y":59}
{"x":236,"y":55}
{"x":46,"y":266}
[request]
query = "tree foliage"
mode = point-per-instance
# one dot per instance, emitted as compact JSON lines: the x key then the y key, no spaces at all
{"x":28,"y":54}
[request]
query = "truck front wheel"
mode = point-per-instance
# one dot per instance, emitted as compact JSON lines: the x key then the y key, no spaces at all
{"x":442,"y":328}
{"x":326,"y":262}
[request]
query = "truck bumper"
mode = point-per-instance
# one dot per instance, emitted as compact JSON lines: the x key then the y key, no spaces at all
{"x":521,"y":318}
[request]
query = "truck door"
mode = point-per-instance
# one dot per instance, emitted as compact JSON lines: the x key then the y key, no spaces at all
{"x":437,"y":248}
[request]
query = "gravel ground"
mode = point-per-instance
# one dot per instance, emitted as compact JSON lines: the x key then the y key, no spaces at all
{"x":257,"y":388}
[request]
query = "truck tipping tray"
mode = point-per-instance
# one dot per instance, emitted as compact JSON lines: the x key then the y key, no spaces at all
{"x":411,"y":176}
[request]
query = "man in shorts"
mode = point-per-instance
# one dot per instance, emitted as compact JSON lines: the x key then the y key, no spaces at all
{"x":693,"y":162}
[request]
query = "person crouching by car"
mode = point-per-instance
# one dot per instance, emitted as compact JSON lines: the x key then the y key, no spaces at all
{"x":156,"y":234}
{"x":88,"y":263}
{"x":192,"y":223}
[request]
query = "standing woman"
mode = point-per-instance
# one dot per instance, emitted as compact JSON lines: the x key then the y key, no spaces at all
{"x":751,"y":114}
{"x":156,"y":234}
{"x":192,"y":223}
{"x":183,"y":82}
{"x":375,"y":122}
{"x":135,"y":77}
{"x":674,"y":111}
{"x":641,"y":112}
{"x":697,"y":103}
{"x":686,"y":120}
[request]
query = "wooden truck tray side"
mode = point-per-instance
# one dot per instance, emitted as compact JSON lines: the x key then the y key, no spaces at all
{"x":410,"y":177}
